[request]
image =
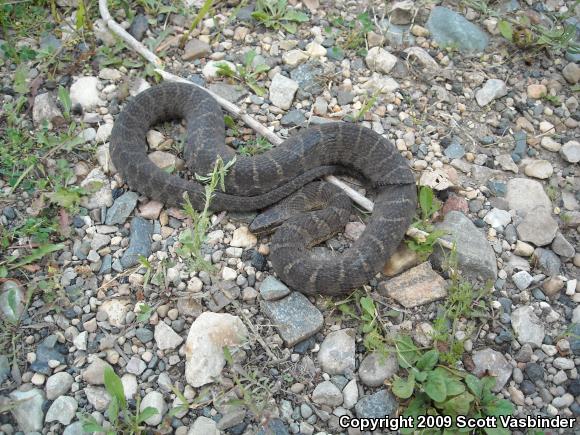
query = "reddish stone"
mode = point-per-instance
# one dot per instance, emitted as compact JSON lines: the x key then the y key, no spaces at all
{"x":455,"y":203}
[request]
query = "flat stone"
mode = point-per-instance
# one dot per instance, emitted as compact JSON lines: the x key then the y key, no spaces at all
{"x":475,"y":257}
{"x":522,"y":279}
{"x":165,"y":337}
{"x":282,"y":91}
{"x":562,"y":247}
{"x":63,"y":410}
{"x":295,"y":318}
{"x":114,"y":311}
{"x":527,"y":326}
{"x":272,"y":289}
{"x":550,"y":144}
{"x":45,"y":109}
{"x":208,"y":334}
{"x":417,"y":286}
{"x":507,"y":163}
{"x":243,"y":238}
{"x":121,"y":208}
{"x":547,"y":261}
{"x":326,"y":393}
{"x":166,"y":161}
{"x":571,"y":73}
{"x":570,"y":151}
{"x":491,"y":362}
{"x":337,"y":352}
{"x":380,"y":60}
{"x":203,"y":426}
{"x":376,"y":368}
{"x":403,"y":259}
{"x":102,"y":195}
{"x":536,"y":91}
{"x":195,"y":49}
{"x":28,"y":411}
{"x":541,"y":169}
{"x":154,"y":399}
{"x":58,"y":384}
{"x":493,"y":89}
{"x":449,"y":28}
{"x":97,"y":397}
{"x":139,"y":243}
{"x":524,"y":195}
{"x":497,"y":218}
{"x":378,"y":405}
{"x":94,"y":374}
{"x":538,"y":227}
{"x":232,"y":93}
{"x":85,"y":92}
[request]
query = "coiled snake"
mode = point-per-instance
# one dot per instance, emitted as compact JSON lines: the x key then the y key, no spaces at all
{"x":254,"y":183}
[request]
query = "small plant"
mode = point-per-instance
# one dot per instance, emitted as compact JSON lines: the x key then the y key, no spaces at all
{"x":205,"y":8}
{"x":275,"y":14}
{"x":552,"y":99}
{"x":368,"y":104}
{"x":247,"y":73}
{"x":192,"y":238}
{"x":352,"y":33}
{"x":121,"y":419}
{"x":257,"y":146}
{"x":428,"y":206}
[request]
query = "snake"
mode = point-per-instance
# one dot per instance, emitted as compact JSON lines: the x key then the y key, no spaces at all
{"x":284,"y":179}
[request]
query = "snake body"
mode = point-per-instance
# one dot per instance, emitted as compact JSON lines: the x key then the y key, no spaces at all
{"x":254,"y":183}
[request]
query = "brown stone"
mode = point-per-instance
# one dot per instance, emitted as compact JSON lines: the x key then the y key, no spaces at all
{"x":552,"y":286}
{"x":455,"y":203}
{"x":401,"y":260}
{"x":418,"y":286}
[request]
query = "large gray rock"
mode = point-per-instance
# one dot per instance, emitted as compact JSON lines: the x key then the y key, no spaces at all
{"x":449,"y":28}
{"x":475,"y":257}
{"x":527,"y":326}
{"x":294,"y":316}
{"x":538,"y":227}
{"x":28,"y":411}
{"x":524,"y":195}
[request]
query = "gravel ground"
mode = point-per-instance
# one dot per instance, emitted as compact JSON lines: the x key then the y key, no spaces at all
{"x":492,"y":128}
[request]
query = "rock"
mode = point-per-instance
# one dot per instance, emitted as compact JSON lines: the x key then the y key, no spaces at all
{"x":421,"y":56}
{"x":378,"y":405}
{"x":272,"y":289}
{"x":491,"y":362}
{"x":550,"y":144}
{"x":547,"y":261}
{"x":231,"y":93}
{"x":537,"y":91}
{"x":570,"y":151}
{"x":350,"y":394}
{"x":417,"y":286}
{"x":110,"y":74}
{"x":195,"y":49}
{"x":493,"y":89}
{"x":538,"y":227}
{"x":403,"y":259}
{"x":103,"y":133}
{"x":308,"y":76}
{"x":166,"y":161}
{"x":85,"y":92}
{"x":98,"y":397}
{"x":154,"y":399}
{"x":102,"y":195}
{"x":139,"y":26}
{"x":243,"y":238}
{"x":45,"y":108}
{"x":380,"y":83}
{"x":151,"y":210}
{"x":114,"y":311}
{"x":527,"y":326}
{"x":58,"y":384}
{"x":401,"y":12}
{"x":282,"y":91}
{"x":552,"y":286}
{"x":229,"y":274}
{"x":380,"y":60}
{"x":203,"y":426}
{"x":4,"y":368}
{"x":475,"y":257}
{"x":507,"y":163}
{"x":165,"y":337}
{"x":497,"y":218}
{"x":326,"y":393}
{"x":47,"y":351}
{"x":62,"y":410}
{"x":571,"y":73}
{"x":74,"y":429}
{"x":94,"y":374}
{"x":140,"y":242}
{"x":541,"y":169}
{"x":523,"y":249}
{"x":375,"y":368}
{"x":295,"y":318}
{"x":315,"y":50}
{"x":121,"y":208}
{"x":135,"y":366}
{"x":522,"y":279}
{"x":337,"y":352}
{"x":130,"y":385}
{"x":208,"y":334}
{"x":562,"y":247}
{"x":294,"y":57}
{"x":450,"y":28}
{"x":525,"y":195}
{"x":28,"y":409}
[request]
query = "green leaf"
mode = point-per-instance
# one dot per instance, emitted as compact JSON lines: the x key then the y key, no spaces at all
{"x":496,"y":431}
{"x":499,"y":407}
{"x":113,"y":411}
{"x":505,"y":28}
{"x":428,"y":361}
{"x":368,"y":306}
{"x":228,"y":356}
{"x":474,"y":385}
{"x":3,"y":271}
{"x":258,"y":90}
{"x":454,"y":386}
{"x":417,"y":406}
{"x":65,"y":197}
{"x":403,"y":388}
{"x":407,"y":352}
{"x":229,"y":121}
{"x":260,"y":16}
{"x":37,"y":254}
{"x":421,"y":376}
{"x":435,"y":386}
{"x":92,"y":427}
{"x":64,"y":98}
{"x":114,"y":387}
{"x":261,"y":68}
{"x":294,"y":15}
{"x":458,"y":405}
{"x":290,"y":27}
{"x":20,"y":84}
{"x":348,"y":310}
{"x":249,"y":57}
{"x":146,"y":413}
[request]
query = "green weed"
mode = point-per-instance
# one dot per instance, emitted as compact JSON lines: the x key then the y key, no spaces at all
{"x":428,"y":206}
{"x":205,"y":8}
{"x":247,"y":73}
{"x":254,"y":147}
{"x":121,"y":418}
{"x":351,"y":34}
{"x":275,"y":14}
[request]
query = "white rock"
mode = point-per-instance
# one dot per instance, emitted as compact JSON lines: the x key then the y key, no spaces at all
{"x":498,"y":218}
{"x":315,"y":50}
{"x":116,"y":310}
{"x":229,"y":274}
{"x":208,"y":334}
{"x":62,"y":410}
{"x":422,"y":57}
{"x":282,"y":91}
{"x":203,"y":426}
{"x":58,"y":384}
{"x":571,"y":151}
{"x":350,"y":394}
{"x":525,"y":195}
{"x":85,"y":91}
{"x":243,"y":238}
{"x":99,"y":184}
{"x":110,"y":74}
{"x":130,"y":385}
{"x":165,"y":337}
{"x":154,"y":139}
{"x":493,"y":88}
{"x":210,"y":70}
{"x":28,"y":411}
{"x":522,"y":279}
{"x":104,"y":132}
{"x":294,"y":57}
{"x":80,"y":341}
{"x":507,"y":164}
{"x":337,"y":352}
{"x":380,"y":60}
{"x":381,"y":83}
{"x":154,"y":399}
{"x":44,"y":108}
{"x":550,"y":144}
{"x":527,"y":326}
{"x":541,"y":169}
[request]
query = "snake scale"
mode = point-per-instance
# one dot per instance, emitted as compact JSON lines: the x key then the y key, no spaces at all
{"x":254,"y":183}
